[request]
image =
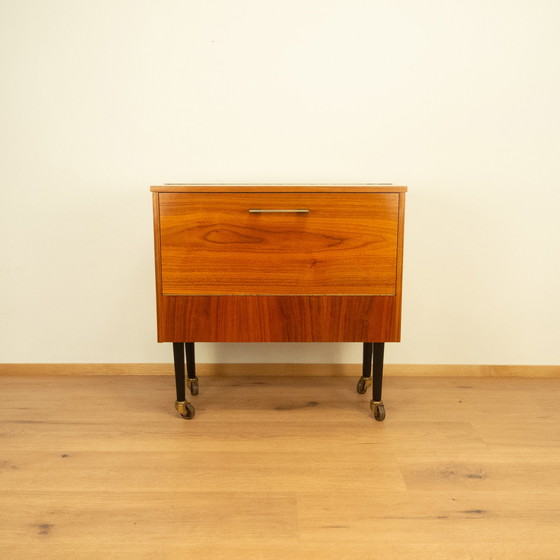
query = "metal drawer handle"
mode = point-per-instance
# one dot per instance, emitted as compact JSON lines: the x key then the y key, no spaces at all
{"x":276,"y":210}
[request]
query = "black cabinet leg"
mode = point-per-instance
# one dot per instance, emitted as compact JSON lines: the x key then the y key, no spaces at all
{"x":365,"y":381}
{"x":378,"y":352}
{"x":179,"y":363}
{"x":192,"y":379}
{"x":376,"y":404}
{"x":185,"y":408}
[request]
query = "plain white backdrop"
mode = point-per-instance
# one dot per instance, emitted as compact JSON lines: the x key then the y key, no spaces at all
{"x":459,"y":100}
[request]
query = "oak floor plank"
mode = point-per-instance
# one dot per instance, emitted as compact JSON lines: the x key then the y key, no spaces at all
{"x":106,"y":524}
{"x":198,"y":471}
{"x":540,"y":436}
{"x":431,"y":516}
{"x":482,"y":473}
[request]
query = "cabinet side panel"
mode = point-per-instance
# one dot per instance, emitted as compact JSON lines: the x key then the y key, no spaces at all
{"x":279,"y":319}
{"x":157,"y":256}
{"x":400,"y":248}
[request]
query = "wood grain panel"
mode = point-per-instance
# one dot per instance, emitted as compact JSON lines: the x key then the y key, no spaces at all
{"x":278,"y":319}
{"x":345,"y":245}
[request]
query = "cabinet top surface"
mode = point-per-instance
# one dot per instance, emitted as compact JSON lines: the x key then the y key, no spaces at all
{"x":277,"y":187}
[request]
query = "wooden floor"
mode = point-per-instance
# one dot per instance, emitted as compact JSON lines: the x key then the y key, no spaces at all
{"x":279,"y":468}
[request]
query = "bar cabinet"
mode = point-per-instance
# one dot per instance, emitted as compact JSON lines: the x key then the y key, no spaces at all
{"x":278,"y":263}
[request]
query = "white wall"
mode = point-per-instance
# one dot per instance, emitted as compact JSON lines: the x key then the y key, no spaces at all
{"x":457,"y":99}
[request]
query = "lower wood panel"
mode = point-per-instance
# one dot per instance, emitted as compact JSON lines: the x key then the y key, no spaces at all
{"x":278,"y":319}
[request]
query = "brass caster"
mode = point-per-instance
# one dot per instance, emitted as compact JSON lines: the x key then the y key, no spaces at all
{"x":363,"y":384}
{"x":192,"y":384}
{"x":185,"y":409}
{"x":378,"y":410}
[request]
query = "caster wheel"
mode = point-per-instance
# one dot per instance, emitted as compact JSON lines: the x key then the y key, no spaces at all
{"x":363,"y":384}
{"x":186,"y":409}
{"x":378,"y":410}
{"x":189,"y":412}
{"x":193,"y":386}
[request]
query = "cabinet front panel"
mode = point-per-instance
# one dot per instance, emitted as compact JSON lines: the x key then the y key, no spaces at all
{"x":278,"y":243}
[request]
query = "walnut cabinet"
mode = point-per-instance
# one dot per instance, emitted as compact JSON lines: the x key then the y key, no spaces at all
{"x":278,"y":263}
